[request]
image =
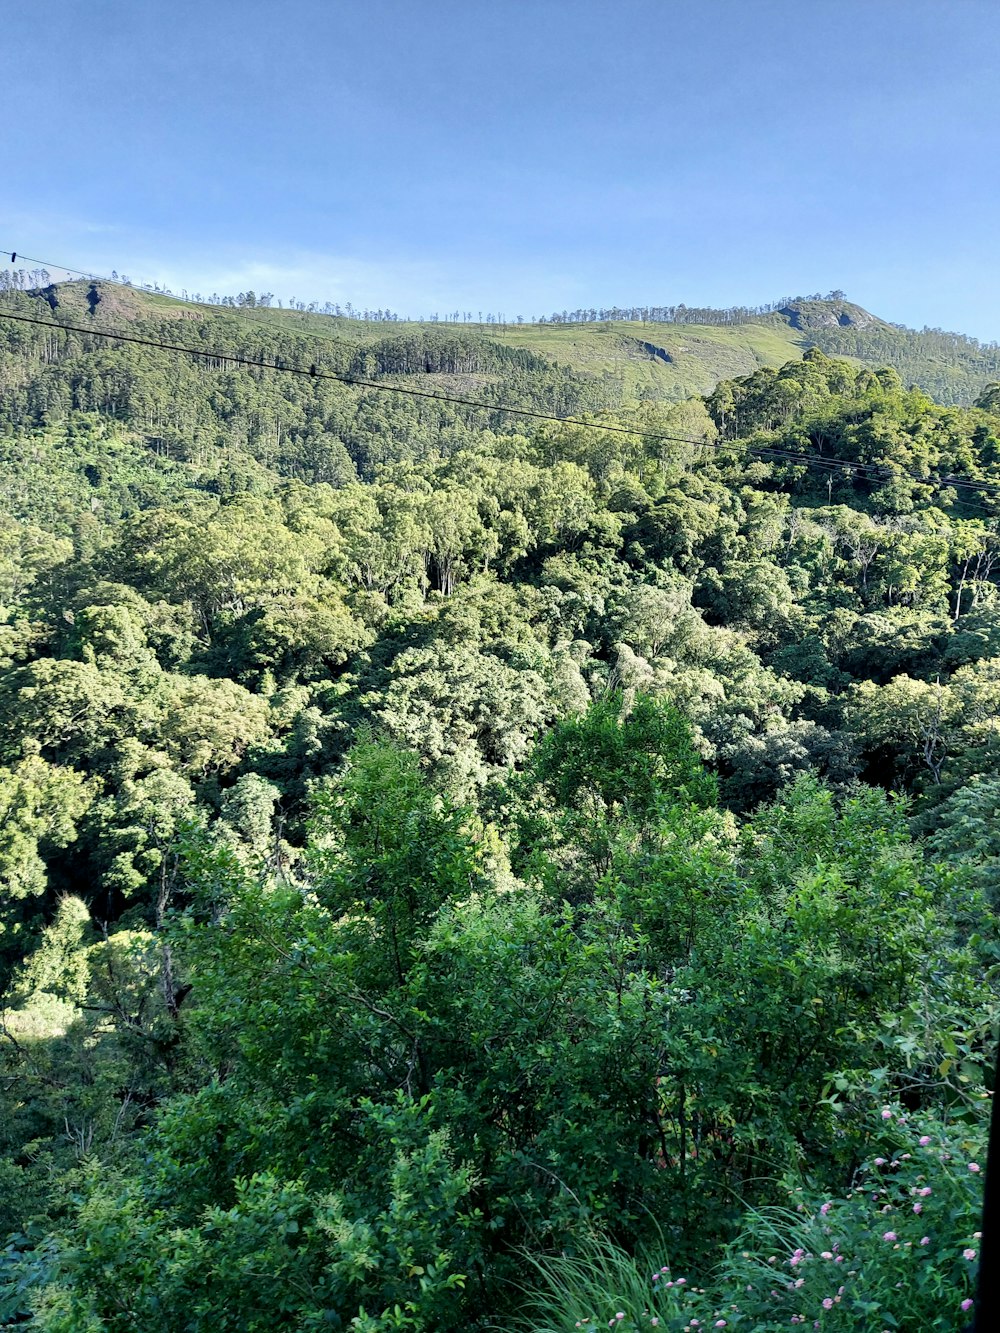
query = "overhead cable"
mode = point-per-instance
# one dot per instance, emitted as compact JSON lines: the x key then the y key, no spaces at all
{"x":869,"y":470}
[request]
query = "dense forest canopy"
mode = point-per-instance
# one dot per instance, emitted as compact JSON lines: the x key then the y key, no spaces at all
{"x":434,"y":842}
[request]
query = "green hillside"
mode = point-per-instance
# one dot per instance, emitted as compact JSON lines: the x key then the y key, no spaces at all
{"x":447,"y":855}
{"x":648,"y":361}
{"x":660,"y":361}
{"x":675,"y":361}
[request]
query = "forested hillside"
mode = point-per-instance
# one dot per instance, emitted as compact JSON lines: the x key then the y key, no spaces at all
{"x":645,"y":354}
{"x":441,"y":847}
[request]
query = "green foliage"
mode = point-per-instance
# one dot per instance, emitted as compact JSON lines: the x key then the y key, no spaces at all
{"x":898,"y":1250}
{"x":389,"y":853}
{"x":428,"y":845}
{"x":39,"y":805}
{"x":634,"y":759}
{"x":967,"y":834}
{"x":278,"y":1256}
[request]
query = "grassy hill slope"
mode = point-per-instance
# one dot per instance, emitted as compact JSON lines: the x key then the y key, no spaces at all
{"x":649,"y":361}
{"x":661,"y":361}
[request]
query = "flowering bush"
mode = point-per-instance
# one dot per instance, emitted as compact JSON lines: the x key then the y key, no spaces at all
{"x":898,"y":1251}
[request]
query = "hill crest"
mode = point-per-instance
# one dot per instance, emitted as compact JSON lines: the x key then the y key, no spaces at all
{"x":652,"y":360}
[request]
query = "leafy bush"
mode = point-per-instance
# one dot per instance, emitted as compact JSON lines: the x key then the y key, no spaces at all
{"x":899,"y":1250}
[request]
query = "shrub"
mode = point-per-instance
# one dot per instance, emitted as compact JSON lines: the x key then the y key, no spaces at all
{"x":898,"y":1251}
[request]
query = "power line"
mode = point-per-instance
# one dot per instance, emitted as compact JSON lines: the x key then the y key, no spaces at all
{"x":249,"y":313}
{"x":868,"y":470}
{"x":246,"y":312}
{"x":50,"y":264}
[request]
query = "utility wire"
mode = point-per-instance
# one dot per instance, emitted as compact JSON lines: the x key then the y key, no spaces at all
{"x":868,"y":470}
{"x":16,"y":255}
{"x":49,"y":264}
{"x":248,"y":312}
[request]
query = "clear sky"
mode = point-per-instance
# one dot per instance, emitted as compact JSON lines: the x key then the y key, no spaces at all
{"x":515,"y":155}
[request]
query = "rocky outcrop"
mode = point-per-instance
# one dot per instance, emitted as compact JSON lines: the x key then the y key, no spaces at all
{"x":660,"y":353}
{"x":827,"y":315}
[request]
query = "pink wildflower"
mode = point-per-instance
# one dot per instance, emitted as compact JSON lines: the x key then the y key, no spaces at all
{"x":880,"y":1161}
{"x":890,"y":1235}
{"x":969,"y":1254}
{"x":967,"y":1304}
{"x":886,"y":1113}
{"x":925,"y":1240}
{"x":828,"y":1303}
{"x":918,"y":1207}
{"x":924,"y":1140}
{"x":974,"y":1168}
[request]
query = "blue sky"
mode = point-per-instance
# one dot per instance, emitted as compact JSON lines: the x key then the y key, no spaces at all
{"x":515,"y":155}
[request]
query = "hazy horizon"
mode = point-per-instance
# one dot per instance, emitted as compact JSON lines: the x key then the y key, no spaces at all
{"x":521,"y":158}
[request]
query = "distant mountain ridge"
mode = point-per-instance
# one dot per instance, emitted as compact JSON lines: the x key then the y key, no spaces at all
{"x":679,"y":360}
